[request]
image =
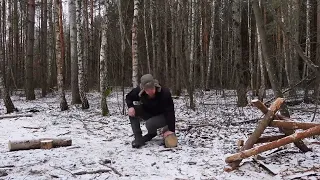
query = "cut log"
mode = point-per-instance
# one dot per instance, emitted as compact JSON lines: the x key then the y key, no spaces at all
{"x":283,"y":141}
{"x":36,"y":143}
{"x":300,"y":144}
{"x":46,"y":144}
{"x":265,"y":139}
{"x":260,"y":128}
{"x":15,"y":116}
{"x":292,"y":124}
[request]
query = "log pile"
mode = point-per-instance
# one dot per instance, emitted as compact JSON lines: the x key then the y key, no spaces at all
{"x":271,"y":119}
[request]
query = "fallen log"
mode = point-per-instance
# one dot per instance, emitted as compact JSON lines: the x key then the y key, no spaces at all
{"x":92,"y":172}
{"x":46,"y":144}
{"x":36,"y":143}
{"x":300,"y":144}
{"x":15,"y":116}
{"x":263,"y":124}
{"x":286,"y":140}
{"x":265,"y":139}
{"x":292,"y":124}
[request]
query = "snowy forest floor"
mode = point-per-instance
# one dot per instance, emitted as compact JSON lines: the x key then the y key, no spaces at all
{"x":105,"y":142}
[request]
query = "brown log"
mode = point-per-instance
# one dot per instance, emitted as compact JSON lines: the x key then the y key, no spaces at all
{"x":46,"y":144}
{"x":292,"y":124}
{"x":275,"y":106}
{"x":36,"y":143}
{"x":283,"y":141}
{"x":265,"y":139}
{"x":300,"y":144}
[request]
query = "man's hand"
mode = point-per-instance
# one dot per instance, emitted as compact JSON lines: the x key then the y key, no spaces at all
{"x":131,"y":112}
{"x":167,"y":133}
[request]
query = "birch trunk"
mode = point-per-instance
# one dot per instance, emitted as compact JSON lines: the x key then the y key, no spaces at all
{"x":59,"y":53}
{"x":74,"y":52}
{"x":81,"y":57}
{"x":29,"y":84}
{"x":103,"y":66}
{"x":135,"y":44}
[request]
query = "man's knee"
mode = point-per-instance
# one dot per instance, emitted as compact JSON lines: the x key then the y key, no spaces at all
{"x":151,"y":126}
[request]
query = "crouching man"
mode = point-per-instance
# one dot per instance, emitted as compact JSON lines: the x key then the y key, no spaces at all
{"x":155,"y":106}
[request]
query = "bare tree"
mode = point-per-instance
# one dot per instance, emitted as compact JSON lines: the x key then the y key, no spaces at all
{"x":81,"y":63}
{"x":44,"y":17}
{"x":60,"y":53}
{"x":104,"y":90}
{"x":135,"y":44}
{"x":74,"y":58}
{"x":29,"y":84}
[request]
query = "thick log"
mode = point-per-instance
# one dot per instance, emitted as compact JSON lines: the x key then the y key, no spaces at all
{"x":300,"y":144}
{"x":286,"y":140}
{"x":292,"y":124}
{"x":46,"y":144}
{"x":275,"y":106}
{"x":265,"y":139}
{"x":36,"y":143}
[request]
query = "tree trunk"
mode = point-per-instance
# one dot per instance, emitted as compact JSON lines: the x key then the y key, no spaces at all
{"x":146,"y":34}
{"x":135,"y":44}
{"x":51,"y":49}
{"x":81,"y":56}
{"x":74,"y":52}
{"x":276,"y":87}
{"x":16,"y":46}
{"x":60,"y":53}
{"x":211,"y":45}
{"x":165,"y":39}
{"x":191,"y":34}
{"x":151,"y":15}
{"x":103,"y":67}
{"x":123,"y":49}
{"x":4,"y":90}
{"x":281,"y":142}
{"x":44,"y":47}
{"x":85,"y":60}
{"x":30,"y":43}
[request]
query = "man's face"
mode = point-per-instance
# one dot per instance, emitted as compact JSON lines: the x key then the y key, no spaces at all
{"x":150,"y":91}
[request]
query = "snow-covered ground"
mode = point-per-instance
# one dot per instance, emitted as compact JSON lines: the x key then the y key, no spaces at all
{"x":104,"y":143}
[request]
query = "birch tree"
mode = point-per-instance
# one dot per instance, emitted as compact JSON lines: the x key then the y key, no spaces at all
{"x":80,"y":48}
{"x":60,"y":54}
{"x":74,"y":52}
{"x":104,"y":90}
{"x":135,"y":43}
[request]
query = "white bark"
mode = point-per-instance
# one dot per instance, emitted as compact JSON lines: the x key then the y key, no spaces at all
{"x":135,"y":44}
{"x":308,"y":46}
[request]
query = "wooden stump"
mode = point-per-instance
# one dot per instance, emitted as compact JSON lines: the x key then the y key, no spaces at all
{"x":46,"y":144}
{"x":36,"y":143}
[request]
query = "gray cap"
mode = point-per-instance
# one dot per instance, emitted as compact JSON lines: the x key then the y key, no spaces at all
{"x":147,"y":81}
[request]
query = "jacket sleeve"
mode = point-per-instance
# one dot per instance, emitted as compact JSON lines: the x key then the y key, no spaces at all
{"x":169,"y":112}
{"x":133,"y":95}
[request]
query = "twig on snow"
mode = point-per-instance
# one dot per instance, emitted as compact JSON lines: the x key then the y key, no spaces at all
{"x":92,"y":172}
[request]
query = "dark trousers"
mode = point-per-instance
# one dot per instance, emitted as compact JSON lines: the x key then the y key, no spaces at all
{"x":153,"y":123}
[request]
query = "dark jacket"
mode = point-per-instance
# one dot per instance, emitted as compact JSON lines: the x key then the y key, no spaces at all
{"x":162,"y":103}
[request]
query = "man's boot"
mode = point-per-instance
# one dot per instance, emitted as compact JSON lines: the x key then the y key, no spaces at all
{"x":148,"y":137}
{"x":138,"y":141}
